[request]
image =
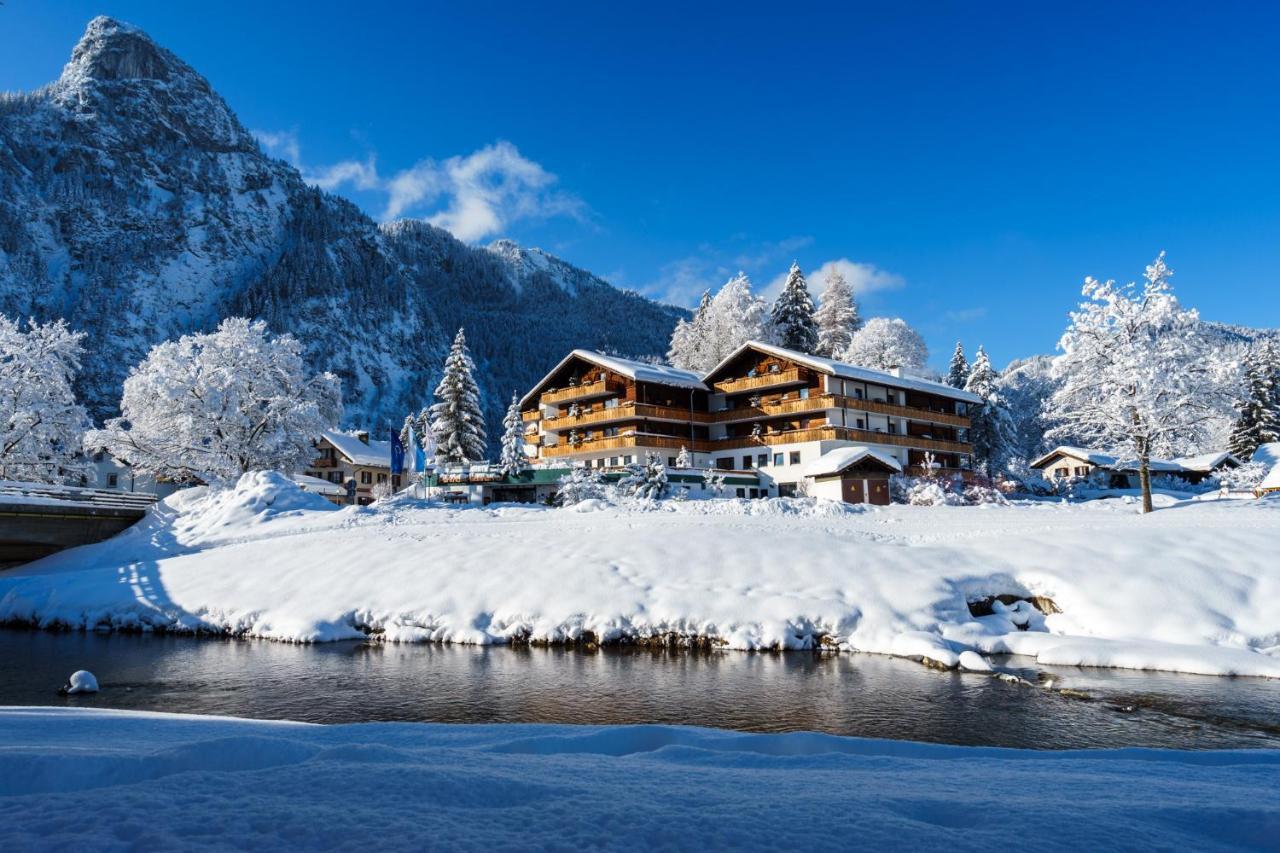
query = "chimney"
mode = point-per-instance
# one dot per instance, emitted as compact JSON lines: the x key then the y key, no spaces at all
{"x":363,"y":436}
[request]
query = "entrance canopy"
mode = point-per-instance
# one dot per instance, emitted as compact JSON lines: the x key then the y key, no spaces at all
{"x":835,"y":462}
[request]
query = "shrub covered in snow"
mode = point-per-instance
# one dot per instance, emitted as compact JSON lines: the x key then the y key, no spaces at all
{"x":1242,"y":479}
{"x":933,"y":492}
{"x":647,"y":481}
{"x":981,"y":493}
{"x":581,"y":484}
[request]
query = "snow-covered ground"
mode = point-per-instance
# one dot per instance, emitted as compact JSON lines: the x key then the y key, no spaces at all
{"x":101,"y":780}
{"x":1194,"y":587}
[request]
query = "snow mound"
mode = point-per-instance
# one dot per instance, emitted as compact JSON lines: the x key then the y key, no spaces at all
{"x":174,"y":782}
{"x":258,"y":498}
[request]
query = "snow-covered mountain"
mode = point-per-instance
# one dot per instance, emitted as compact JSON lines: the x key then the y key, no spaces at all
{"x":135,"y":204}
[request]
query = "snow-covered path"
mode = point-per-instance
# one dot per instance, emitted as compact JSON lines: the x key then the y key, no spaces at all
{"x":1194,"y":587}
{"x":80,"y":779}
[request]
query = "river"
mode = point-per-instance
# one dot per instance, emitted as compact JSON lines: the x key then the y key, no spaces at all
{"x":864,"y":695}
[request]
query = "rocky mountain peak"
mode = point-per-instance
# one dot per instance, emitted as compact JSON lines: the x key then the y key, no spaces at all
{"x":112,"y":50}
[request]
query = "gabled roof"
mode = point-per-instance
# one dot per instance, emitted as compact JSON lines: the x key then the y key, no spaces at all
{"x":849,"y":371}
{"x":317,"y":486}
{"x":1093,"y":457}
{"x":1267,"y":454}
{"x":375,"y":454}
{"x":1271,"y":482}
{"x":1206,"y":462}
{"x":640,"y":371}
{"x":835,"y":461}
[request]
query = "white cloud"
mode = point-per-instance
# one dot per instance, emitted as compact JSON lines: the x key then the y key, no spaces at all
{"x":473,"y":196}
{"x":965,"y":315}
{"x":863,"y":278}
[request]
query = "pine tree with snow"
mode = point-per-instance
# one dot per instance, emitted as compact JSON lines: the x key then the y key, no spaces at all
{"x":729,"y":319}
{"x":582,"y":483}
{"x":218,"y":405}
{"x":1139,"y":377}
{"x":991,"y":428}
{"x":1258,"y":409}
{"x":837,"y":316}
{"x":647,"y":481}
{"x":885,"y":343}
{"x":792,"y":318}
{"x":41,"y":423}
{"x":456,"y":417}
{"x":685,"y":458}
{"x":958,"y":373}
{"x":514,"y":461}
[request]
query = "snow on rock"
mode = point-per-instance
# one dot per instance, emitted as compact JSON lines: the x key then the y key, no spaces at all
{"x":1193,"y":587}
{"x":241,"y":784}
{"x":973,"y":662}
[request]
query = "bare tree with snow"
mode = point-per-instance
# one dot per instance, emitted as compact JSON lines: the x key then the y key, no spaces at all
{"x":1138,"y":376}
{"x":885,"y":343}
{"x":215,"y":406}
{"x":40,"y":421}
{"x":837,"y":316}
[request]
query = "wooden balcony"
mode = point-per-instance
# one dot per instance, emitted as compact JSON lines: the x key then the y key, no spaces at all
{"x":767,"y":380}
{"x":624,"y":412}
{"x":643,"y":441}
{"x":585,"y":391}
{"x":835,"y":433}
{"x":531,"y":415}
{"x":820,"y":402}
{"x":325,"y":463}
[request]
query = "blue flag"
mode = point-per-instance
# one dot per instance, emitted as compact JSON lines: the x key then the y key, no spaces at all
{"x":397,"y":453}
{"x":419,"y":458}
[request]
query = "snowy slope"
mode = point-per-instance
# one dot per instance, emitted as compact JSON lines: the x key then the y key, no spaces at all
{"x":82,"y":779}
{"x":135,"y":204}
{"x":1194,"y":587}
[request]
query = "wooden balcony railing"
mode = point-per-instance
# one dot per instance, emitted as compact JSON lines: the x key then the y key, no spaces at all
{"x":599,"y":388}
{"x":531,"y":415}
{"x":834,"y":433}
{"x":624,"y":412}
{"x":766,"y":380}
{"x":325,"y":463}
{"x":834,"y":401}
{"x":622,"y":442}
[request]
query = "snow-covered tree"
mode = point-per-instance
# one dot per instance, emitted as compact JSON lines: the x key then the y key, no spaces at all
{"x":456,"y":417}
{"x":581,"y":484}
{"x":884,"y":343}
{"x":837,"y":316}
{"x":991,"y":429}
{"x":40,"y":421}
{"x":713,"y":481}
{"x":215,"y":406}
{"x":1139,"y":378}
{"x":1024,"y":386}
{"x":958,"y":372}
{"x":684,"y":459}
{"x":647,"y":481}
{"x":1258,"y":408}
{"x":792,"y":317}
{"x":731,"y":318}
{"x":513,"y":461}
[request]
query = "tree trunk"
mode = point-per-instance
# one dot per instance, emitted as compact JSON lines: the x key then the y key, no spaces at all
{"x":1144,"y":475}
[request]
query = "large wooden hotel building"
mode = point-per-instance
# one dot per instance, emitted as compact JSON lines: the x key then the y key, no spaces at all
{"x":765,"y":409}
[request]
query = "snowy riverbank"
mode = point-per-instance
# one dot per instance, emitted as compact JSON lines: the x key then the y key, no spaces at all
{"x":72,"y":778}
{"x":1195,"y":587}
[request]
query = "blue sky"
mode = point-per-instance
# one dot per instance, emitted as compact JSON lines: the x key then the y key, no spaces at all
{"x":971,"y":161}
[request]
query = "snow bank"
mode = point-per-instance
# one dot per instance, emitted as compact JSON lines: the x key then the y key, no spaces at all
{"x":1194,"y":587}
{"x":80,"y":779}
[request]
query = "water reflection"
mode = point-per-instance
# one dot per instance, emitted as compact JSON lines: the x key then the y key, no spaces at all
{"x":862,"y":695}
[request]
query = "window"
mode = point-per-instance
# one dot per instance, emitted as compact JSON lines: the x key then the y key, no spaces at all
{"x":742,"y":493}
{"x":755,"y":493}
{"x":786,"y":490}
{"x":611,"y":403}
{"x":335,"y":476}
{"x":382,"y":478}
{"x":746,"y":463}
{"x":778,"y":458}
{"x":366,"y":477}
{"x":1081,"y":471}
{"x":671,"y":462}
{"x":857,"y":392}
{"x":112,"y":480}
{"x":893,"y":427}
{"x":626,"y":460}
{"x":774,"y":368}
{"x":395,"y":481}
{"x":613,"y":461}
{"x":609,"y":432}
{"x":795,"y":457}
{"x":804,"y":393}
{"x":862,"y":424}
{"x":98,"y":457}
{"x":1063,"y":472}
{"x":724,"y":463}
{"x":762,"y":460}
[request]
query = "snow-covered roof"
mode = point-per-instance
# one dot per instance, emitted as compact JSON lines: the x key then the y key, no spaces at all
{"x":851,"y":371}
{"x":375,"y":454}
{"x":1206,"y":462}
{"x":640,"y":371}
{"x":835,"y":461}
{"x":1272,"y":480}
{"x":1267,"y":454}
{"x":317,"y":486}
{"x":1203,"y":463}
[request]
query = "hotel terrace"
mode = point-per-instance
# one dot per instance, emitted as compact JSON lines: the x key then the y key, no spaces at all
{"x":764,"y":409}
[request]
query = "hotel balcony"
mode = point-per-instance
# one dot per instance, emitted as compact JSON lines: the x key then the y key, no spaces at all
{"x":765,"y":380}
{"x":624,"y":412}
{"x":821,"y":402}
{"x":643,"y":441}
{"x":585,"y":391}
{"x":835,"y":433}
